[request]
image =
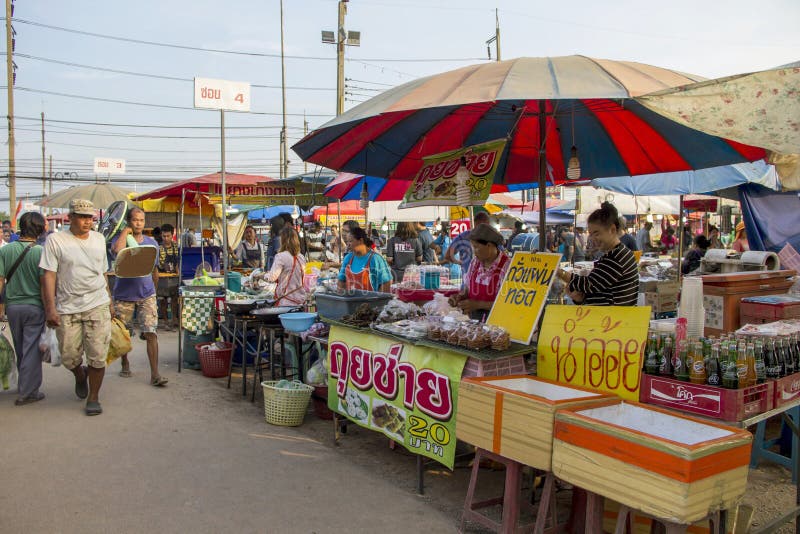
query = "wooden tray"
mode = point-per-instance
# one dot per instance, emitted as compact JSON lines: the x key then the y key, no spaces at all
{"x":670,"y":477}
{"x":513,"y":415}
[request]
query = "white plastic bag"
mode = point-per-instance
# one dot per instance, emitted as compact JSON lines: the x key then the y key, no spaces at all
{"x":438,"y":306}
{"x":48,"y":345}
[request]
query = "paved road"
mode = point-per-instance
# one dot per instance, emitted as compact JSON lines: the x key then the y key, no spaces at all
{"x":192,"y":457}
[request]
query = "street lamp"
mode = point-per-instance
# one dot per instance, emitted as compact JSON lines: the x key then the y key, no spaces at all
{"x":340,"y":38}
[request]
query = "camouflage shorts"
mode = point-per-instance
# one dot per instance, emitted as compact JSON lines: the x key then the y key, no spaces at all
{"x":86,"y":333}
{"x":146,"y":314}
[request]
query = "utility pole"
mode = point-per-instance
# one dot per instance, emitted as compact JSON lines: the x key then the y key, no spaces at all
{"x":496,"y":38}
{"x":497,"y":32}
{"x":305,"y":133}
{"x":341,"y":37}
{"x":12,"y":171}
{"x":44,"y":178}
{"x":284,"y":172}
{"x":50,"y":210}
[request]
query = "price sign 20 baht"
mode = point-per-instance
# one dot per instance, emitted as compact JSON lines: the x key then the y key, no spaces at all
{"x":598,"y":347}
{"x":407,"y":392}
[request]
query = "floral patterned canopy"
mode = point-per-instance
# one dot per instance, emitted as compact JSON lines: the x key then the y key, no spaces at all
{"x":758,"y":109}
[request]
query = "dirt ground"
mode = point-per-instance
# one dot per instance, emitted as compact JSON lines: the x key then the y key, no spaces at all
{"x":198,"y":456}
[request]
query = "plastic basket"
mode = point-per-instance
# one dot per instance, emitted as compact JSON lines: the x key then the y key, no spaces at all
{"x":214,"y":361}
{"x":285,"y":407}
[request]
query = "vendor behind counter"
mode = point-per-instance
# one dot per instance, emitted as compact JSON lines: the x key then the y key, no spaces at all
{"x":485,"y":274}
{"x":362,"y":268}
{"x":614,"y":280}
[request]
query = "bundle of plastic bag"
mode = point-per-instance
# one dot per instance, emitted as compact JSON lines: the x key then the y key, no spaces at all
{"x":48,"y":346}
{"x":8,"y":364}
{"x":438,"y":306}
{"x":317,"y":375}
{"x":120,"y":341}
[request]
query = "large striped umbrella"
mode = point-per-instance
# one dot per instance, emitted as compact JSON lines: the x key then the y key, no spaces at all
{"x":562,"y":106}
{"x":348,"y":186}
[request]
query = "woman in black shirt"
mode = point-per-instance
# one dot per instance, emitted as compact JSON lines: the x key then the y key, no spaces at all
{"x":614,"y":280}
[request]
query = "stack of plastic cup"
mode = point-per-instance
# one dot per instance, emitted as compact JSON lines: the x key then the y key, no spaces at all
{"x":691,"y":306}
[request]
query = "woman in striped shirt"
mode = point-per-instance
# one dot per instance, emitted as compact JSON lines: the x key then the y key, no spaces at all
{"x":614,"y":280}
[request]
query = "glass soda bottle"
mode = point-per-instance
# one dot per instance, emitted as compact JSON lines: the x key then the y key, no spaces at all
{"x":651,"y":359}
{"x":665,"y":357}
{"x":760,"y":367}
{"x":741,"y":364}
{"x":750,"y":359}
{"x":697,"y":372}
{"x":771,"y":362}
{"x":730,"y":379}
{"x":779,"y":357}
{"x":788,"y":356}
{"x":682,"y":363}
{"x":713,"y":367}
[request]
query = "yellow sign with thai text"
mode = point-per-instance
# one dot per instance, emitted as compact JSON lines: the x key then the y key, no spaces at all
{"x":598,"y":347}
{"x":523,"y":293}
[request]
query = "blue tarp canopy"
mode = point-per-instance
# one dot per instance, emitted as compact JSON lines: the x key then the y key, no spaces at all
{"x":771,"y":219}
{"x":268,"y":212}
{"x":705,"y":181}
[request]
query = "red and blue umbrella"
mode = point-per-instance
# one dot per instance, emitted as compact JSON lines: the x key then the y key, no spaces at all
{"x":348,"y":186}
{"x":549,"y":104}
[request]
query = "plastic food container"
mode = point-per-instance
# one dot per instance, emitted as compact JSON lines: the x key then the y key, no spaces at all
{"x":297,"y":321}
{"x":337,"y":305}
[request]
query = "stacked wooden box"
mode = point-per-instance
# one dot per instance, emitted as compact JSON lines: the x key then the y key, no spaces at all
{"x":673,"y":467}
{"x":513,"y":415}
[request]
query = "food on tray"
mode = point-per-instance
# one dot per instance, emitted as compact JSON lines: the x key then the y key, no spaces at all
{"x":406,"y":328}
{"x":388,"y":417}
{"x":363,"y":316}
{"x":396,"y":310}
{"x":354,"y":405}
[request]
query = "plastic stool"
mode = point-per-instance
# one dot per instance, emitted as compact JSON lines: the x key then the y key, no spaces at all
{"x":788,"y":441}
{"x":510,"y":500}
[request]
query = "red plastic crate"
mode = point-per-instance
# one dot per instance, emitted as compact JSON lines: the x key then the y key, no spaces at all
{"x":420,"y":295}
{"x":708,"y":401}
{"x":771,"y":308}
{"x":786,"y":389}
{"x":752,"y":319}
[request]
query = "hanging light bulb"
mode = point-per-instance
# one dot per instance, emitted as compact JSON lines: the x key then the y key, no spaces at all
{"x":364,"y":196}
{"x":384,"y":225}
{"x":649,"y":217}
{"x":462,"y":190}
{"x":574,"y":165}
{"x":295,"y":212}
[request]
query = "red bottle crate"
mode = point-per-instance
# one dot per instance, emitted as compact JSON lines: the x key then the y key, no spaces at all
{"x":705,"y":400}
{"x":787,"y":389}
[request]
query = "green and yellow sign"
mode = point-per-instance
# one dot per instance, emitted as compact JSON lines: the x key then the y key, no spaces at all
{"x":407,"y":392}
{"x":436,"y":182}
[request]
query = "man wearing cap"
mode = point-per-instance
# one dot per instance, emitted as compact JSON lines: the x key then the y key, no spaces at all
{"x":486,"y":272}
{"x":76,"y":300}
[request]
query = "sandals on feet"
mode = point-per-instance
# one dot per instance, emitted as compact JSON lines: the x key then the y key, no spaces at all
{"x":93,"y":408}
{"x":159,"y":382}
{"x":125,"y":373}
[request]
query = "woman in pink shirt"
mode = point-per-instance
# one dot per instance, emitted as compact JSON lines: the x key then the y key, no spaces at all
{"x":287,"y":270}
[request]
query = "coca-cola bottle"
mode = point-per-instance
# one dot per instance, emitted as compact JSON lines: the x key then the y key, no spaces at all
{"x":713,"y":367}
{"x":770,"y":360}
{"x":760,"y":366}
{"x":651,"y":358}
{"x":788,"y":356}
{"x":665,"y":357}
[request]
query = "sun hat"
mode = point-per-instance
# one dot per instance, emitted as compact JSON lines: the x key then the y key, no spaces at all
{"x":486,"y":232}
{"x":81,"y":207}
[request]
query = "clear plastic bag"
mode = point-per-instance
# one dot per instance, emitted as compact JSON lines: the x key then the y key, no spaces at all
{"x":8,"y":364}
{"x":438,"y":306}
{"x":317,"y":375}
{"x":48,"y":346}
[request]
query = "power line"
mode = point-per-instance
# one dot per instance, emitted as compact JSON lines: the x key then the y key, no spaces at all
{"x":148,"y":104}
{"x":87,"y":123}
{"x":150,"y":136}
{"x":158,"y":76}
{"x":234,"y":52}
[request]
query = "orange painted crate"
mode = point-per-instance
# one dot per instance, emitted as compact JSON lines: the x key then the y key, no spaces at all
{"x":513,"y":415}
{"x":610,"y":449}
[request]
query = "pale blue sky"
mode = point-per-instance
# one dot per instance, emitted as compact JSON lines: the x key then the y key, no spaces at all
{"x":708,"y":38}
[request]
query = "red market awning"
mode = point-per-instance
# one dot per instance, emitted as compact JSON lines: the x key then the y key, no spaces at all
{"x":235,"y":184}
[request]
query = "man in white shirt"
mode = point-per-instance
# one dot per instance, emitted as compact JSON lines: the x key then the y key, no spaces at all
{"x":76,"y":300}
{"x":643,"y":237}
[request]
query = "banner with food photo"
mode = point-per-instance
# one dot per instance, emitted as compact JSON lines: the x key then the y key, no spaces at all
{"x":436,"y":183}
{"x":407,"y":392}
